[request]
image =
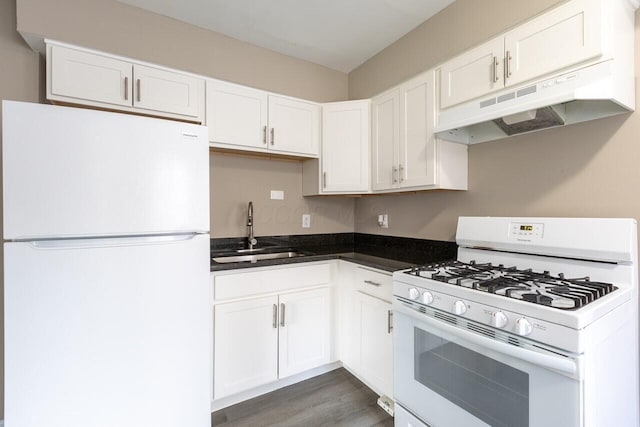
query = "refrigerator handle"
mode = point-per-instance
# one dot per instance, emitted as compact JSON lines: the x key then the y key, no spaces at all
{"x":103,"y":242}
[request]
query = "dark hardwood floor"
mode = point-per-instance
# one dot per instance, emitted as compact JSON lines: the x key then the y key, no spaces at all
{"x":336,"y":398}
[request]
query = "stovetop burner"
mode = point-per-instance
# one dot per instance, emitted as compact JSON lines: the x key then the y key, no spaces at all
{"x":526,"y":285}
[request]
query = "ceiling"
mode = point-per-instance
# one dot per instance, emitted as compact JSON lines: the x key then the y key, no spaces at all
{"x":339,"y":34}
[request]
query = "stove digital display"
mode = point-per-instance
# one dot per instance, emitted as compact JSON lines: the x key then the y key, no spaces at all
{"x":526,"y":232}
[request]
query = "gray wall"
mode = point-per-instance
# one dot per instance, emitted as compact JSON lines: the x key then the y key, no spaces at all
{"x":585,"y":170}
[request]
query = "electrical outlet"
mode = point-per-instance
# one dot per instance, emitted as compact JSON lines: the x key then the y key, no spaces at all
{"x":383,"y":221}
{"x":306,"y":221}
{"x":277,"y":195}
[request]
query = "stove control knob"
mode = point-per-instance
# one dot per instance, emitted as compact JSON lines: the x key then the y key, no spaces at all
{"x":414,"y":293}
{"x":498,"y":319}
{"x":523,"y":327}
{"x":427,"y":297}
{"x":459,"y":308}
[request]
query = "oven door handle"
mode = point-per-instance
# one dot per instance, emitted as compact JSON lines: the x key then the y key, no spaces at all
{"x":558,"y":363}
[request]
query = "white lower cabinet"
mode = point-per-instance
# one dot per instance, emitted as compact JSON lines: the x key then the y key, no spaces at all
{"x":367,"y":319}
{"x":374,"y":341}
{"x":304,"y":331}
{"x":272,"y":324}
{"x":261,"y":339}
{"x":246,"y":345}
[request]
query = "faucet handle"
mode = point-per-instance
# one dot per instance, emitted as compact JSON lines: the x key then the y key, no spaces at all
{"x":253,"y":241}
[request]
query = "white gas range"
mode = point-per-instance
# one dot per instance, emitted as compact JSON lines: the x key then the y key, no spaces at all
{"x":535,"y":324}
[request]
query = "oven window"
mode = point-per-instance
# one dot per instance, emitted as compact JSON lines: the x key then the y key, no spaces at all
{"x":490,"y":390}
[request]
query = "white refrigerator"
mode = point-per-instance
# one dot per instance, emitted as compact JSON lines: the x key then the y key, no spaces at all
{"x":106,"y":269}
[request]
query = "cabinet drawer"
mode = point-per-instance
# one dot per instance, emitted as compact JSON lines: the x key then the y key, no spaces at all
{"x":239,"y":285}
{"x":375,"y":283}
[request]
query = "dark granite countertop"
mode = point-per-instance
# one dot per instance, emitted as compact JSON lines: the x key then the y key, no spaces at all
{"x":385,"y":253}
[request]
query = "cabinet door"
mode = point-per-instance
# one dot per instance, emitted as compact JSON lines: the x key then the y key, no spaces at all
{"x":565,"y":36}
{"x":89,"y":77}
{"x":384,"y":140}
{"x":472,"y":74}
{"x":345,"y":146}
{"x":245,"y":345}
{"x":304,"y":330}
{"x":374,"y":332}
{"x":168,"y":92}
{"x":294,"y":126}
{"x":417,"y":165}
{"x":236,"y":115}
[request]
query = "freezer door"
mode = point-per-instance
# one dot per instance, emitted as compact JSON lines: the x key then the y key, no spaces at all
{"x":108,"y":333}
{"x":70,"y":172}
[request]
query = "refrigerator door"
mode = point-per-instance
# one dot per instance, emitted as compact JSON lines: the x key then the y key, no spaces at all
{"x":71,"y":172}
{"x":108,"y":333}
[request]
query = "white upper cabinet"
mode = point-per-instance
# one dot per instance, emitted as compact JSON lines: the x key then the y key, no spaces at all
{"x":81,"y":76}
{"x":164,"y":91}
{"x":294,"y":126}
{"x":565,"y":36}
{"x":405,"y":153}
{"x":85,"y":76}
{"x":417,"y":161}
{"x":472,"y":74}
{"x":345,"y":162}
{"x":559,"y":39}
{"x":236,"y":114}
{"x":385,"y":134}
{"x":246,"y":119}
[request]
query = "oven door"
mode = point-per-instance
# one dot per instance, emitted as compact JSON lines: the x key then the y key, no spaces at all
{"x":450,"y":376}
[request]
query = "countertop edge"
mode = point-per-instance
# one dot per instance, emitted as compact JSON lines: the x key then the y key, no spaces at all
{"x":379,"y":263}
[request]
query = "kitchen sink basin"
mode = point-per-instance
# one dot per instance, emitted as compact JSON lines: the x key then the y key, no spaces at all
{"x":256,"y":257}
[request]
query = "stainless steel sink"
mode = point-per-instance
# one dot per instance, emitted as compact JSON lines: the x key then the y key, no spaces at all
{"x":256,"y":257}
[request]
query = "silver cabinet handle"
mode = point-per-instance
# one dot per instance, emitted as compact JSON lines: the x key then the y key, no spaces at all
{"x":401,"y":173}
{"x":274,"y":322}
{"x":282,"y":315}
{"x":126,"y":88}
{"x":324,"y":180}
{"x":372,"y":283}
{"x":389,"y":321}
{"x":264,"y":134}
{"x":508,"y":64}
{"x":273,"y":136}
{"x":138,"y":88}
{"x":394,"y":170}
{"x":495,"y":69}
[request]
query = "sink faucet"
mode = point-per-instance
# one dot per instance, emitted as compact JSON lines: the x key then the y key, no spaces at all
{"x":250,"y":237}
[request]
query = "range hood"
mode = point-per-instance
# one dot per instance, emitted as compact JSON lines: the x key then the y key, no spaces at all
{"x":585,"y":94}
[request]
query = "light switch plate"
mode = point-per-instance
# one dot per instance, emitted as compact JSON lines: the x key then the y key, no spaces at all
{"x":306,"y":221}
{"x":277,"y":195}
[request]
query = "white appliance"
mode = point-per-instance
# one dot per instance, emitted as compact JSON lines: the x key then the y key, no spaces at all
{"x":589,"y":93}
{"x":535,"y":324}
{"x":106,"y":267}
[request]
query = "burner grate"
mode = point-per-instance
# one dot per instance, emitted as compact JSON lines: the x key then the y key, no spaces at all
{"x":523,"y":284}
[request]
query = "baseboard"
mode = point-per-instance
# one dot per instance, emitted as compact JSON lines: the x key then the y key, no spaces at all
{"x":218,"y":404}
